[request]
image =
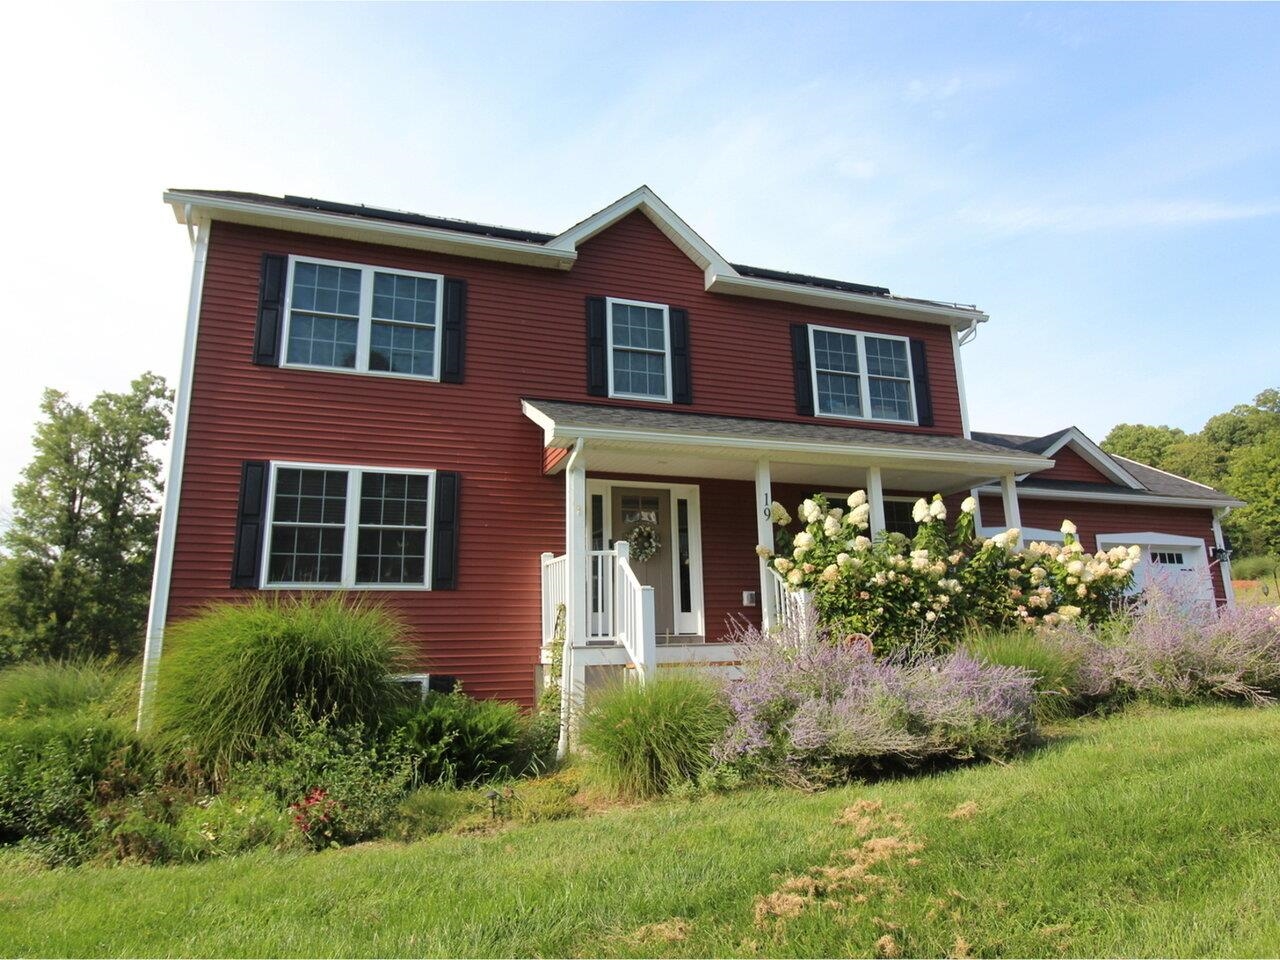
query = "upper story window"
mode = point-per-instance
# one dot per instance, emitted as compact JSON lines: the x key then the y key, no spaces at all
{"x":639,"y":349}
{"x":862,"y":376}
{"x":342,"y":316}
{"x":348,"y":527}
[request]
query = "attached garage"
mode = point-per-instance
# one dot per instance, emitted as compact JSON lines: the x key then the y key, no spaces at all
{"x":1177,"y":564}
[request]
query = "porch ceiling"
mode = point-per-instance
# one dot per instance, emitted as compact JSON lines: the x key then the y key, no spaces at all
{"x":667,"y":443}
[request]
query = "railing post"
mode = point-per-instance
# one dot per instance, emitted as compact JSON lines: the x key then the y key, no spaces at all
{"x":548,"y":620}
{"x":647,"y":627}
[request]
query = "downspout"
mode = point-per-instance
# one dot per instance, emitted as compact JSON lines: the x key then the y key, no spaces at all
{"x":570,"y":628}
{"x":159,"y":608}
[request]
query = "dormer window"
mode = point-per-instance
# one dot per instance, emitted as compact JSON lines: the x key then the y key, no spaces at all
{"x":639,"y":350}
{"x":862,"y":376}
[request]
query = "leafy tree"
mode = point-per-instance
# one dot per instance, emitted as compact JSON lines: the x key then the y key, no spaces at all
{"x":1237,"y":451}
{"x":1137,"y":441}
{"x":1254,"y":479}
{"x":80,"y":548}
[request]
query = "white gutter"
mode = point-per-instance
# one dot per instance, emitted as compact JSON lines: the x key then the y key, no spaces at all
{"x":881,"y":306}
{"x":1152,"y":500}
{"x":350,"y":227}
{"x":173,"y":484}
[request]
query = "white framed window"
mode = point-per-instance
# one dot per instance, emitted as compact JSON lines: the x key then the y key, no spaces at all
{"x":345,"y":526}
{"x":361,"y":319}
{"x":862,"y":376}
{"x":639,"y":348}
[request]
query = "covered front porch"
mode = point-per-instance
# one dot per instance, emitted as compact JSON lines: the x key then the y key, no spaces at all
{"x":702,"y":486}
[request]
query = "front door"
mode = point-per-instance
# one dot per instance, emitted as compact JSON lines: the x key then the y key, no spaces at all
{"x":642,"y":516}
{"x":670,"y":517}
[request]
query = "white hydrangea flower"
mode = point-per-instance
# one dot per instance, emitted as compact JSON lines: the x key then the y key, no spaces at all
{"x":1068,"y":612}
{"x":782,"y":564}
{"x":778,"y":514}
{"x":795,"y":577}
{"x":969,"y":505}
{"x":830,"y":574}
{"x":860,"y":515}
{"x":810,"y":512}
{"x":1135,"y":553}
{"x":938,"y":510}
{"x":857,"y":499}
{"x":1075,"y":567}
{"x":931,"y":616}
{"x":842,"y":559}
{"x":831,"y":526}
{"x":861,"y":543}
{"x":1068,"y":527}
{"x":1126,"y":565}
{"x":920,"y":512}
{"x":763,"y":552}
{"x":803,"y":539}
{"x":1082,"y":591}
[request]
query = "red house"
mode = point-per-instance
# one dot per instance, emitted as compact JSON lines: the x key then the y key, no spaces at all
{"x":464,"y":419}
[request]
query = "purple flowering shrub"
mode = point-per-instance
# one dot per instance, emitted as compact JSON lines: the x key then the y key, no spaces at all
{"x":809,"y":707}
{"x":1174,"y":652}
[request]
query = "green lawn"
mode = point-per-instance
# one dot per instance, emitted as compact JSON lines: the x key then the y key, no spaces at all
{"x":1155,"y":833}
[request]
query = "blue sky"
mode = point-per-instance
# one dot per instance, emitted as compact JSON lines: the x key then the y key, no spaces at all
{"x":1103,"y":180}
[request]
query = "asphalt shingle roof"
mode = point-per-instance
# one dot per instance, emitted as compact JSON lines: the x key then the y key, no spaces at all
{"x":570,"y":415}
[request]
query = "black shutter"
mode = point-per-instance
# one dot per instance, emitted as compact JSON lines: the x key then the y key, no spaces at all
{"x":454,"y":338}
{"x":924,"y":397}
{"x":800,"y":368}
{"x":681,"y":380}
{"x":444,"y":557}
{"x":266,"y":340}
{"x":597,"y":343}
{"x":246,"y":562}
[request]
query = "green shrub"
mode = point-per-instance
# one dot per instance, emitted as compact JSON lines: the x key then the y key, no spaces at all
{"x":50,"y":769}
{"x":232,"y":675}
{"x":431,"y":810}
{"x":643,"y":739}
{"x":339,"y":788}
{"x":51,"y":687}
{"x":1056,"y":667}
{"x":1255,"y":568}
{"x":459,"y":740}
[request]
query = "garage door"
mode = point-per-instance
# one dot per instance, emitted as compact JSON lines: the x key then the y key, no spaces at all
{"x":1177,"y":564}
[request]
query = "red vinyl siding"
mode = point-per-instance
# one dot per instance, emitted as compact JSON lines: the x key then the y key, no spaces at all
{"x":1092,"y":519}
{"x":526,"y":337}
{"x":1069,"y":465}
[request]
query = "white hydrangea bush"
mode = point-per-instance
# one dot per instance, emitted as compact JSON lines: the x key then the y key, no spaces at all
{"x":927,"y":589}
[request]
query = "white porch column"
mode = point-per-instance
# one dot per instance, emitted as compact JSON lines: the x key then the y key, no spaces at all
{"x":575,"y":588}
{"x":1012,"y":515}
{"x":875,"y":497}
{"x":764,"y":534}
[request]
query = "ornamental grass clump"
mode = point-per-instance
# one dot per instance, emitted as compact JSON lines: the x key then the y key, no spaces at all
{"x":232,"y":676}
{"x":811,"y":707}
{"x":921,"y":594}
{"x":644,"y":739}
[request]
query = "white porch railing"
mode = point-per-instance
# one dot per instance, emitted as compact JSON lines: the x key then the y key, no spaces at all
{"x":555,"y":591}
{"x":635,"y":615}
{"x":619,"y":608}
{"x":789,"y":603}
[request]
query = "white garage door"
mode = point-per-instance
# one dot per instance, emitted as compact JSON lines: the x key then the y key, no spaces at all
{"x":1177,"y":564}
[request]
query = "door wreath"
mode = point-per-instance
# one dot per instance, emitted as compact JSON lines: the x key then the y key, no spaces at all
{"x":643,"y":541}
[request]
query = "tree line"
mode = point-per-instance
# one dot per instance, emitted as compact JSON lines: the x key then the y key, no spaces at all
{"x":1237,"y":452}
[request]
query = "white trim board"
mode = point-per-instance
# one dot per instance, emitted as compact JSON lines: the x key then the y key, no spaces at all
{"x":1095,"y":456}
{"x":1148,"y":500}
{"x":554,"y":437}
{"x":166,"y":539}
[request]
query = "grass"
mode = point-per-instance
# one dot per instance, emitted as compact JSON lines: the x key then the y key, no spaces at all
{"x":1151,"y":833}
{"x":39,"y":687}
{"x":1054,"y":667}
